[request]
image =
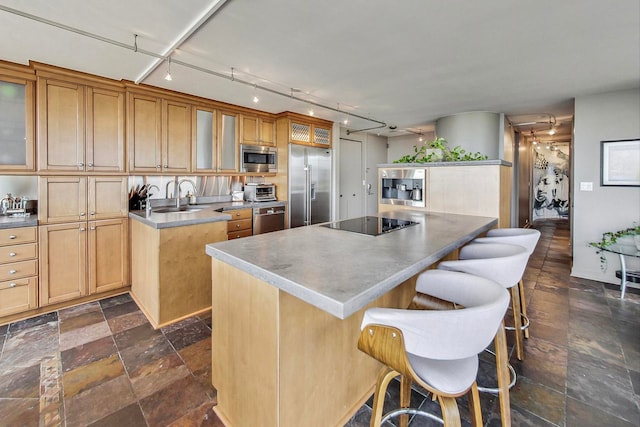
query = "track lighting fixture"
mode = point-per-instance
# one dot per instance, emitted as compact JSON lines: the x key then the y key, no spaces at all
{"x":255,"y":96}
{"x":167,"y":76}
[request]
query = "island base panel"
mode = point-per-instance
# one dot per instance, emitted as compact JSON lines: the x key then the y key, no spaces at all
{"x":280,"y":361}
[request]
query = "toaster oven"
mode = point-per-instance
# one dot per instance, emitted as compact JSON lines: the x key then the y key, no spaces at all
{"x":254,"y":192}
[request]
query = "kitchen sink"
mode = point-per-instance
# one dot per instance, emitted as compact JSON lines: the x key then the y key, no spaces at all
{"x":182,"y":209}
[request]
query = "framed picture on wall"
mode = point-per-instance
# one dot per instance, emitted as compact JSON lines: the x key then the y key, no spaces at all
{"x":620,"y":163}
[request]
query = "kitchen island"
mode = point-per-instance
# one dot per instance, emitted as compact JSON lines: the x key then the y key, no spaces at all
{"x":287,"y":308}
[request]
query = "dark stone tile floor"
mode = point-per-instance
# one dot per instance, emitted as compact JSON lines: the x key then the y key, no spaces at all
{"x":102,"y":364}
{"x":582,"y":361}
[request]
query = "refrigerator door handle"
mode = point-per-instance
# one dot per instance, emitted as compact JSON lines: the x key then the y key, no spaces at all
{"x":307,"y":196}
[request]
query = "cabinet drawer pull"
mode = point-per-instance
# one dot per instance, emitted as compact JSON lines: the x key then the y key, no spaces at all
{"x":12,"y":254}
{"x":13,"y":271}
{"x":12,"y":285}
{"x":237,"y":225}
{"x":12,"y":237}
{"x":238,"y":214}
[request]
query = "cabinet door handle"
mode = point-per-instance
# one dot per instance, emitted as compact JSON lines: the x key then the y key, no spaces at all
{"x":82,"y":229}
{"x":12,"y":237}
{"x":13,"y":271}
{"x":92,"y":213}
{"x":12,"y":254}
{"x":90,"y":164}
{"x":81,"y":164}
{"x":166,"y":166}
{"x":92,"y":228}
{"x":158,"y":166}
{"x":81,"y":213}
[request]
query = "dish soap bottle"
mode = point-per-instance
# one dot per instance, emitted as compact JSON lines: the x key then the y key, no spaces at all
{"x":191,"y":198}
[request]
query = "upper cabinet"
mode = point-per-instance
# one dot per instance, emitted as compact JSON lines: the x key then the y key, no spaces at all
{"x":228,"y":142}
{"x":307,"y":130}
{"x":17,"y":117}
{"x":203,"y":150}
{"x":257,"y":130}
{"x":159,"y":134}
{"x":80,"y":123}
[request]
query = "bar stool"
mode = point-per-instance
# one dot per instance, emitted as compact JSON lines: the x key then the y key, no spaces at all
{"x":504,"y":264}
{"x":437,"y":349}
{"x":528,"y":239}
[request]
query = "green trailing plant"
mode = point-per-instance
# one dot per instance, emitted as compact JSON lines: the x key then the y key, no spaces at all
{"x":611,"y":237}
{"x":441,"y":153}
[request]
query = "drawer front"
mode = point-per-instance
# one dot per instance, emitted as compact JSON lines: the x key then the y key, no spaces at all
{"x":17,"y":270}
{"x":17,"y":253}
{"x":239,"y":234}
{"x":241,"y":224}
{"x":18,"y":295}
{"x":240,"y":213}
{"x":16,"y":236}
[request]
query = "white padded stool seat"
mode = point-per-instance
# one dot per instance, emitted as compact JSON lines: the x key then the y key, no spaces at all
{"x":439,"y":347}
{"x":525,"y":237}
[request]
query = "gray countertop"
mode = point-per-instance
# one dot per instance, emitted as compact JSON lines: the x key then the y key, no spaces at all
{"x":10,"y":222}
{"x":340,"y":272}
{"x":210,"y":212}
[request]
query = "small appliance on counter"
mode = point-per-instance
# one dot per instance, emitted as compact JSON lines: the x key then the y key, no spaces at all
{"x":254,"y":192}
{"x":237,"y":195}
{"x":16,"y":206}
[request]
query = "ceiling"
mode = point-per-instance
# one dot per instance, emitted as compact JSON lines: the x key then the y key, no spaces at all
{"x":402,"y":64}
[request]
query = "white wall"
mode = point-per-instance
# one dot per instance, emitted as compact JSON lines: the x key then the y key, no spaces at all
{"x":477,"y":131}
{"x":606,"y":116}
{"x":403,"y":145}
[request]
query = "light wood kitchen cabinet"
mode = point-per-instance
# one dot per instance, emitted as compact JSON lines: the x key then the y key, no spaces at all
{"x":170,"y":271}
{"x":176,"y":136}
{"x":305,"y":130}
{"x":17,"y":128}
{"x":159,"y":134}
{"x":144,"y":128}
{"x":82,"y":258}
{"x":228,"y":131}
{"x":108,"y":247}
{"x":63,"y":255}
{"x":18,"y":270}
{"x":204,"y":139}
{"x":241,"y":224}
{"x":80,"y":128}
{"x":257,"y":130}
{"x":78,"y":198}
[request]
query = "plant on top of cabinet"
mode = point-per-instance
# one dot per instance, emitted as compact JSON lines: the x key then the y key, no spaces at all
{"x":17,"y":111}
{"x":438,"y":151}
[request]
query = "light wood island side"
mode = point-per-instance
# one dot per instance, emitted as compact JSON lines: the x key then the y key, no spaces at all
{"x":287,"y":308}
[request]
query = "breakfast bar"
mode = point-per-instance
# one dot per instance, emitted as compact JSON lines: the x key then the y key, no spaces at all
{"x":287,"y":308}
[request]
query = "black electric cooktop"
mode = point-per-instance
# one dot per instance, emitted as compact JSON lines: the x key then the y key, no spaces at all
{"x":371,"y":225}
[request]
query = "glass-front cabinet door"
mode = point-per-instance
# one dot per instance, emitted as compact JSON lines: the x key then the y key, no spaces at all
{"x":228,"y":144}
{"x":204,"y":130}
{"x":16,"y":123}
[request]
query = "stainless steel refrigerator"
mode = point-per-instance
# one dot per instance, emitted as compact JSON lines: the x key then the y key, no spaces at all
{"x":309,"y":185}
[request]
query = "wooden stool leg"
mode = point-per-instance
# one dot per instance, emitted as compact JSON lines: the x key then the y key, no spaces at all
{"x":405,"y":399}
{"x":502,"y":368}
{"x":517,"y":322}
{"x":523,"y":304}
{"x":475,"y":411}
{"x":384,"y":377}
{"x":450,"y":413}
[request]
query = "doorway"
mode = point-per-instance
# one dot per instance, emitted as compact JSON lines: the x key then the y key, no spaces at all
{"x":350,"y":188}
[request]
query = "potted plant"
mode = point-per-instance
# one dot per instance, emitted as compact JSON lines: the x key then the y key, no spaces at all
{"x":611,"y":237}
{"x":438,"y":151}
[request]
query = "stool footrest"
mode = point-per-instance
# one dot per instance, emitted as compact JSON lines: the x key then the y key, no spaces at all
{"x":410,"y":411}
{"x":525,"y":324}
{"x":495,"y":390}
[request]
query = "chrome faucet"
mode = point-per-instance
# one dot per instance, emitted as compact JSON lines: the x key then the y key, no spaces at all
{"x":148,"y":203}
{"x":176,"y":188}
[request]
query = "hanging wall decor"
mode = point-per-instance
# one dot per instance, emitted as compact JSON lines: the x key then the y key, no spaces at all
{"x":620,"y":163}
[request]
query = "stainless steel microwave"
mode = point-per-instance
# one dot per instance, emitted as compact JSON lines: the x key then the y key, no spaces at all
{"x":258,"y":158}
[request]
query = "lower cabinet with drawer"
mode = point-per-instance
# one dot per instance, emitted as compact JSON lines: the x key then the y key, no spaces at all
{"x":241,"y":224}
{"x":18,"y":270}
